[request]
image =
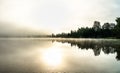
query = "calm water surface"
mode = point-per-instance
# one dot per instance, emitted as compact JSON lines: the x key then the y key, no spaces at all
{"x":59,"y":55}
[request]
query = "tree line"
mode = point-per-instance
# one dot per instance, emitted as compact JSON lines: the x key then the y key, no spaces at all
{"x":108,"y":30}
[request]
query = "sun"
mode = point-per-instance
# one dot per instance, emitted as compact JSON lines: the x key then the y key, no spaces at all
{"x":52,"y":57}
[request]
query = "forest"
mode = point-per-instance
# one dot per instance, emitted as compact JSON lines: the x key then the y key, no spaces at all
{"x":107,"y":30}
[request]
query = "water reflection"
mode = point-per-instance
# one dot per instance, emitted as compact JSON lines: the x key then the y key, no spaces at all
{"x":107,"y":46}
{"x":52,"y":57}
{"x":45,"y":55}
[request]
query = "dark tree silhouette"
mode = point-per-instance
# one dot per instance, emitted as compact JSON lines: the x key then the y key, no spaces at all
{"x":108,"y":30}
{"x":117,"y":28}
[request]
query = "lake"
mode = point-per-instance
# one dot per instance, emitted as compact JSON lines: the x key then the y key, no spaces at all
{"x":59,"y":55}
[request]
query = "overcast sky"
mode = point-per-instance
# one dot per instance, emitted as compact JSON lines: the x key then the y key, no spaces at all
{"x":54,"y":16}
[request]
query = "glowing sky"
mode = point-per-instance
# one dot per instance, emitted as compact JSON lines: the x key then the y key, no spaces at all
{"x":54,"y":16}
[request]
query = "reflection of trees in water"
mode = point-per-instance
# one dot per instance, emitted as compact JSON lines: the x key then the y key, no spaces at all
{"x":97,"y":46}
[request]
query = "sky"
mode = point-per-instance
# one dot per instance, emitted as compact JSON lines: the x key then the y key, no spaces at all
{"x":54,"y":16}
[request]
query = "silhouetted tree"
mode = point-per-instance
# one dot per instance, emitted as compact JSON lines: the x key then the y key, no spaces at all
{"x":96,"y":25}
{"x":106,"y":26}
{"x":117,"y":28}
{"x":97,"y":31}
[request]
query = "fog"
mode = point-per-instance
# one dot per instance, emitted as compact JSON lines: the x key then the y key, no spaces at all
{"x":7,"y":29}
{"x":22,"y":17}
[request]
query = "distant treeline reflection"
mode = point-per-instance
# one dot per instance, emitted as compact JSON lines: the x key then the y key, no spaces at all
{"x":97,"y":46}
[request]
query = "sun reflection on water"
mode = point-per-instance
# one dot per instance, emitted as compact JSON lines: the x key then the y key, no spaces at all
{"x":52,"y":57}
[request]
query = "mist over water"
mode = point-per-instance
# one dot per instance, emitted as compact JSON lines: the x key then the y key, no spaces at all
{"x":59,"y":55}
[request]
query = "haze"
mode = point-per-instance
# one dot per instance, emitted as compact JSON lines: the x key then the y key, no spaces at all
{"x":21,"y":17}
